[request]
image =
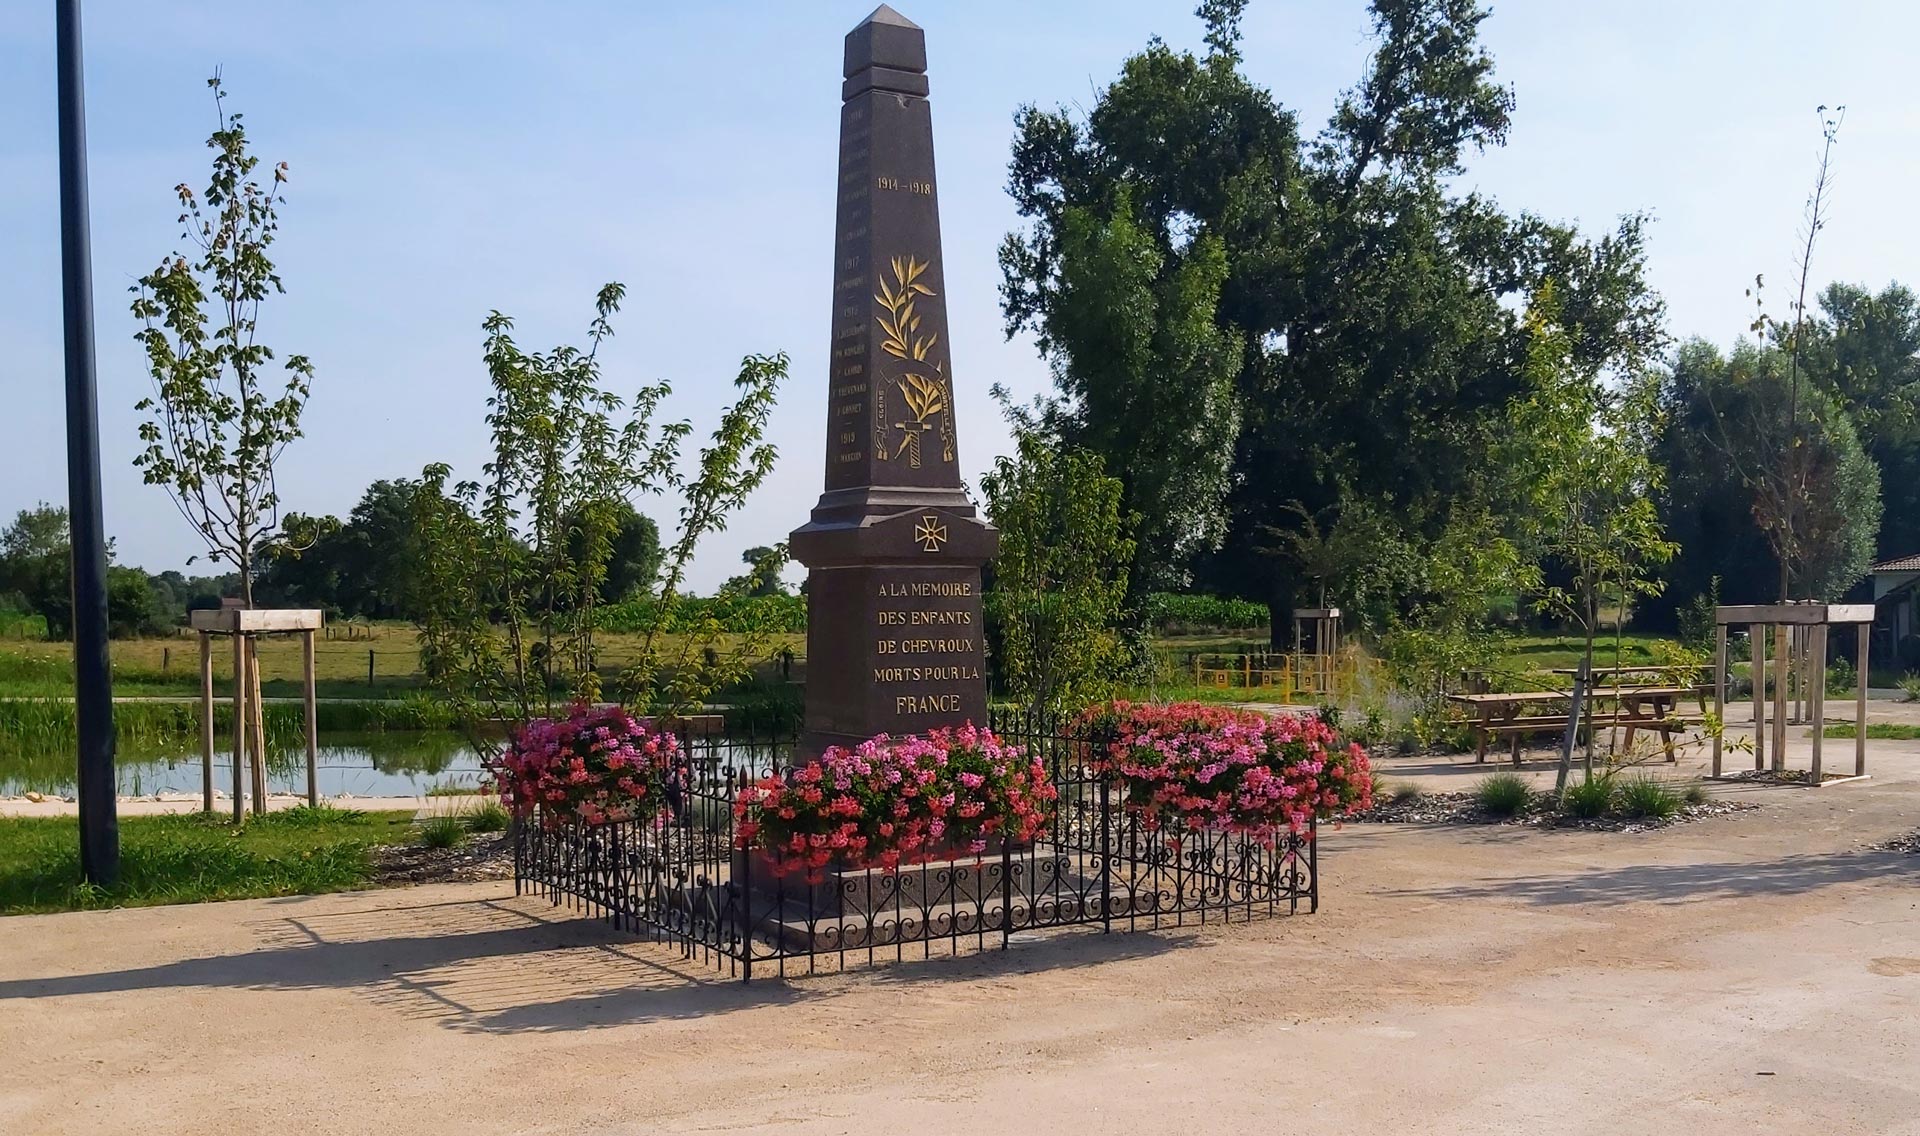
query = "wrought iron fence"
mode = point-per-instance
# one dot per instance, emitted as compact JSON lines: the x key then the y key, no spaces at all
{"x":680,"y":879}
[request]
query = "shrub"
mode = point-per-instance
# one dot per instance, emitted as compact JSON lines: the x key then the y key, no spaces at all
{"x":893,"y":801}
{"x":1842,"y":678}
{"x":1503,"y":795}
{"x":1590,"y":798}
{"x":1910,"y":686}
{"x":1404,"y":792}
{"x":442,"y":832}
{"x":1187,"y":767}
{"x":1644,"y":796}
{"x":1694,"y":794}
{"x":594,"y":766}
{"x":489,"y":816}
{"x":1169,"y":612}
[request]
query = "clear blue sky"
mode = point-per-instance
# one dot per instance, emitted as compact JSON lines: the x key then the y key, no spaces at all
{"x":450,"y":158}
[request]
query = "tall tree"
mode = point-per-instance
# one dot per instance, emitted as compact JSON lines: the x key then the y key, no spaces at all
{"x":1368,"y":307}
{"x":218,"y":421}
{"x":1730,"y":495}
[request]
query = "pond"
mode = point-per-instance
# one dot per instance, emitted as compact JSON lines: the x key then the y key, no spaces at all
{"x":394,"y":764}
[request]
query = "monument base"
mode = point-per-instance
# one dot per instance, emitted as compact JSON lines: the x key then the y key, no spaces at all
{"x":852,"y":907}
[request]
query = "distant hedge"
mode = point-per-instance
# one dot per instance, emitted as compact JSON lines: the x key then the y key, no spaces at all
{"x":1174,"y":611}
{"x":733,"y":613}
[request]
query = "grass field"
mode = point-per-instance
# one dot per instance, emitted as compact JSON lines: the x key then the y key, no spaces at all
{"x":191,"y":858}
{"x":389,"y":652}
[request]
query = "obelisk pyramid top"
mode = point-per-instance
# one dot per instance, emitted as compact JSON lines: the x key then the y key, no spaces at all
{"x":885,"y":14}
{"x":886,"y":52}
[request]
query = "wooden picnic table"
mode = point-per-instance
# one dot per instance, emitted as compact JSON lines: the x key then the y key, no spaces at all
{"x":1635,"y":707}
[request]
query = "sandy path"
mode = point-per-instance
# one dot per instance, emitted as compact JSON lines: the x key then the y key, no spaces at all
{"x":1456,"y":980}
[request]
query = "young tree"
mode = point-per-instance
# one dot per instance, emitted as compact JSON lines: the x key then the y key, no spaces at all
{"x":1055,"y":609}
{"x":513,"y":568}
{"x":1584,"y":455}
{"x":218,"y":418}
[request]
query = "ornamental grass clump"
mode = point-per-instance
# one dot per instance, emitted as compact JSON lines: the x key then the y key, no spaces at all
{"x":1187,"y":767}
{"x":593,"y":767}
{"x":1648,"y":797}
{"x":894,"y":801}
{"x":1503,"y":795}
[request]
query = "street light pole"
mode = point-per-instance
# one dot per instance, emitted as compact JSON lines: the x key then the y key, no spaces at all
{"x":93,"y":675}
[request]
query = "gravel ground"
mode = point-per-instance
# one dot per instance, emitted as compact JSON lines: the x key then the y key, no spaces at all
{"x":484,"y":857}
{"x":1462,"y":808}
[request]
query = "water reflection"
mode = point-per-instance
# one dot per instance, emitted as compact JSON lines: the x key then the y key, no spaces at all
{"x":360,"y":764}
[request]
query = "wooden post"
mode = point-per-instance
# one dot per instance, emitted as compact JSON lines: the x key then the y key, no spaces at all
{"x":1757,"y":669}
{"x":1860,"y":707}
{"x":239,"y":727}
{"x":1817,"y":693}
{"x":1719,"y":690}
{"x":1782,"y":645}
{"x":206,"y":722}
{"x":259,"y":708}
{"x":313,"y":735}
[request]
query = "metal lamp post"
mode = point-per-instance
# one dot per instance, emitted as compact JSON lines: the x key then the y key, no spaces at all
{"x":93,"y":676}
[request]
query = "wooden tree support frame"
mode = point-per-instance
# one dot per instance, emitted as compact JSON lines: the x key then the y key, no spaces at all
{"x":1319,"y":665}
{"x":245,"y":626}
{"x":1799,"y":649}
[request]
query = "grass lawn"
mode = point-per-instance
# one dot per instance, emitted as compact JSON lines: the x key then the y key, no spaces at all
{"x":1882,"y":731}
{"x":193,"y":858}
{"x":1550,"y":652}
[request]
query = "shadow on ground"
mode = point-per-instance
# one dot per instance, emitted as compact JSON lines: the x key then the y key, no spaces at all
{"x":1688,"y":883}
{"x":514,"y":966}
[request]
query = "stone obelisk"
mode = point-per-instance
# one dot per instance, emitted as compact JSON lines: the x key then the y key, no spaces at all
{"x":895,"y":546}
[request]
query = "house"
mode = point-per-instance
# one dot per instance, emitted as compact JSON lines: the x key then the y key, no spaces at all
{"x":1894,"y":588}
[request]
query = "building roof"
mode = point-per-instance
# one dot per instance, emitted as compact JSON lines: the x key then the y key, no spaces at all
{"x":1899,"y":564}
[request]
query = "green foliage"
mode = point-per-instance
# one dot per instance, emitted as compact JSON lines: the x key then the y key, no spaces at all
{"x":513,"y":569}
{"x":1174,"y":613}
{"x":1842,"y":676}
{"x":730,"y":612}
{"x":1403,"y":792}
{"x":445,"y":831}
{"x":1731,"y":495}
{"x":1589,"y":798}
{"x":191,"y":858}
{"x":1443,"y":630}
{"x":216,"y":424}
{"x":36,"y":565}
{"x":1055,"y":609}
{"x":1503,"y":795}
{"x":762,"y":577}
{"x":1865,"y":349}
{"x":1642,"y":796}
{"x":1145,"y":372}
{"x":1910,"y":686}
{"x":1697,"y":617}
{"x":1694,"y":794}
{"x":488,"y":816}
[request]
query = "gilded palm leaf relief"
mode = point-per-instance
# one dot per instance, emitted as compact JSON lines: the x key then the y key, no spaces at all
{"x":924,"y":385}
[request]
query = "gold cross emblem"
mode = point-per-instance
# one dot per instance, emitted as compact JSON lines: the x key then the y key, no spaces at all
{"x":930,"y":533}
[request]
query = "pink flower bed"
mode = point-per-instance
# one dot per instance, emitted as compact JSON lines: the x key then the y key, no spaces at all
{"x":1190,"y":767}
{"x":594,"y":767}
{"x":894,"y":801}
